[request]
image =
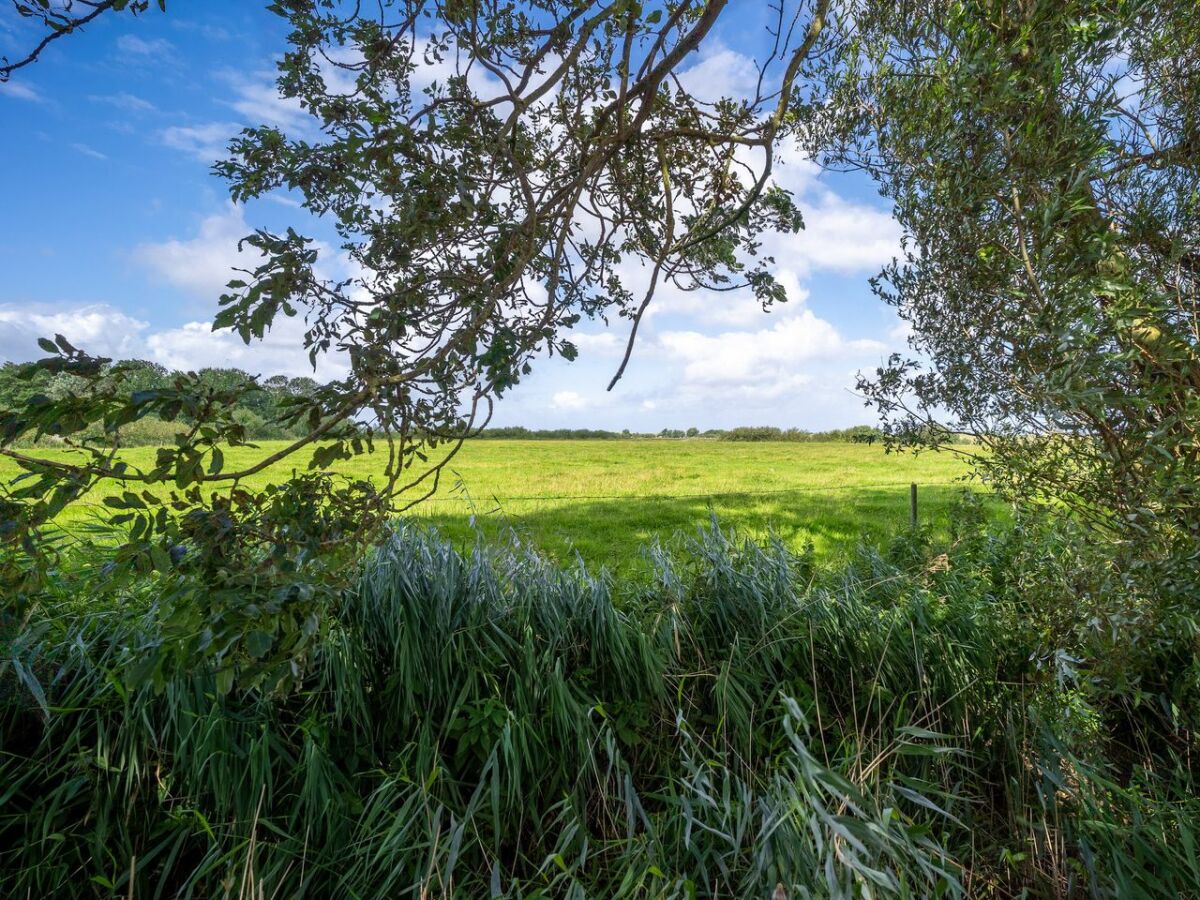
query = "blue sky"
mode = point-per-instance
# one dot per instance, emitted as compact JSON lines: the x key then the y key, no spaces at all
{"x":115,"y":233}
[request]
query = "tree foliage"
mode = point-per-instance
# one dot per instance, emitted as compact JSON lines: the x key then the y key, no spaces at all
{"x":494,"y":173}
{"x":259,"y":411}
{"x":1044,"y":161}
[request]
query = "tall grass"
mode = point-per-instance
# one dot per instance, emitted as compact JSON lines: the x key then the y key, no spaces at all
{"x":488,"y":724}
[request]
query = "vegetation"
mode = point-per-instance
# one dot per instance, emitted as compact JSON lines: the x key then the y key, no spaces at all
{"x":859,"y":434}
{"x":605,"y":500}
{"x":492,"y":725}
{"x":1044,"y":161}
{"x":856,"y":434}
{"x":261,"y":410}
{"x":240,"y":679}
{"x":482,"y":220}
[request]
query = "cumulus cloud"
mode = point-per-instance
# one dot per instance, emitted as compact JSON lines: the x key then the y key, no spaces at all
{"x":568,"y":400}
{"x":102,"y":330}
{"x":719,"y":73}
{"x":201,"y":265}
{"x":98,"y":329}
{"x":740,"y":308}
{"x":256,"y":98}
{"x":763,"y":356}
{"x":600,"y":343}
{"x":839,"y":236}
{"x":794,"y":170}
{"x":900,"y":332}
{"x":281,"y":352}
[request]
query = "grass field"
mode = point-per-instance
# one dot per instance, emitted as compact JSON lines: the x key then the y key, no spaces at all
{"x":606,"y":499}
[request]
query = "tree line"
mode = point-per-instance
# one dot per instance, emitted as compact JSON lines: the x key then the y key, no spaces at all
{"x":759,"y":433}
{"x":261,"y":412}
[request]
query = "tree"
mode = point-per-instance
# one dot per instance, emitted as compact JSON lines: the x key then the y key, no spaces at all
{"x":1044,"y":160}
{"x":481,"y":217}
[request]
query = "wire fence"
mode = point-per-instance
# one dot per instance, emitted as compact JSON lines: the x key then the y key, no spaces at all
{"x":460,"y":496}
{"x":488,"y":502}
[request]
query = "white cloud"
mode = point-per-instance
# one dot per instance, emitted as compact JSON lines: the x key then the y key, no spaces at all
{"x":201,"y":265}
{"x":794,"y":170}
{"x":740,"y":308}
{"x":98,"y":329}
{"x":257,"y":100}
{"x":763,"y":356}
{"x":900,"y":332}
{"x":88,"y":151}
{"x":721,"y":73}
{"x":19,"y":90}
{"x":600,"y":343}
{"x":133,"y":48}
{"x":283,"y":200}
{"x":281,"y":352}
{"x":839,"y":236}
{"x":206,"y":142}
{"x":430,"y":70}
{"x":568,"y":400}
{"x":122,"y":100}
{"x":101,"y":330}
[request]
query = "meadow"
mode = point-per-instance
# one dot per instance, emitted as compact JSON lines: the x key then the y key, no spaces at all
{"x":606,"y":500}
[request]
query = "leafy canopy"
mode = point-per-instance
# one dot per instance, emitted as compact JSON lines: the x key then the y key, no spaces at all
{"x":495,"y":172}
{"x":1044,"y":161}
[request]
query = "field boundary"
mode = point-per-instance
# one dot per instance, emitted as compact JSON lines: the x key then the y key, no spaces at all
{"x":456,"y":496}
{"x":699,"y":495}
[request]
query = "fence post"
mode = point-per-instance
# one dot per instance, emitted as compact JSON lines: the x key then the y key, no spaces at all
{"x":912,"y":504}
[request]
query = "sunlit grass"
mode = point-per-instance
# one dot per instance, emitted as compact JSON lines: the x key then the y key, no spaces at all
{"x":605,"y":499}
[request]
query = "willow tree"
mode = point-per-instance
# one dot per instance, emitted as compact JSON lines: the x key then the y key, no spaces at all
{"x":1044,"y":161}
{"x":495,"y":172}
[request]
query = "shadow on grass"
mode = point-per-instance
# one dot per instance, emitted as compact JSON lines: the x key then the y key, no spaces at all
{"x":613,"y":533}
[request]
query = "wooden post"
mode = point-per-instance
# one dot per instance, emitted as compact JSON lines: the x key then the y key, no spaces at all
{"x":912,"y":504}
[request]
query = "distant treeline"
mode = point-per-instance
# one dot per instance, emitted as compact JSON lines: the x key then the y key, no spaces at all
{"x":257,"y":410}
{"x":857,"y":434}
{"x":863,"y":434}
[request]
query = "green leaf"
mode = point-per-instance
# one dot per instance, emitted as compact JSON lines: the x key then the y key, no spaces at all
{"x":258,"y":643}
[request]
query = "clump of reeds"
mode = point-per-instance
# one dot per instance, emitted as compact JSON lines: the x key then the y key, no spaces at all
{"x":489,"y":724}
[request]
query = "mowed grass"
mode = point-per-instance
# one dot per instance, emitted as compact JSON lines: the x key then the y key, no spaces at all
{"x":603,"y":500}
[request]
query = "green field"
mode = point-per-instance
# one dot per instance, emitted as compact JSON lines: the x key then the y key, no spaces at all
{"x":606,"y":499}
